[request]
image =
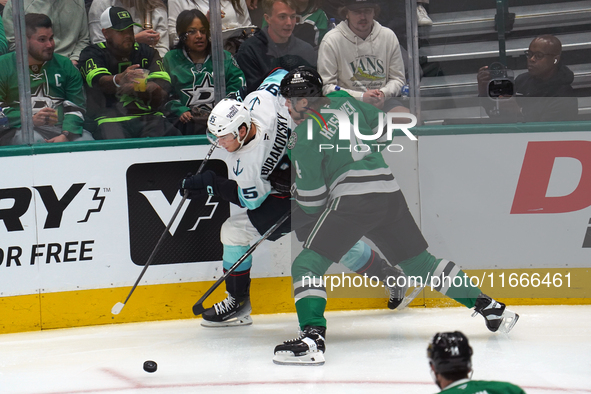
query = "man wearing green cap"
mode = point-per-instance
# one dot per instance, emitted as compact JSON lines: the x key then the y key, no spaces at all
{"x":122,"y":101}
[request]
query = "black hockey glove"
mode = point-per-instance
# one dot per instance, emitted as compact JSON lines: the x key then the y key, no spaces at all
{"x":199,"y":185}
{"x":281,"y":177}
{"x":210,"y":184}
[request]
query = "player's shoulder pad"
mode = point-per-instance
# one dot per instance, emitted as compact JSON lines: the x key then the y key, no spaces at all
{"x":275,"y":77}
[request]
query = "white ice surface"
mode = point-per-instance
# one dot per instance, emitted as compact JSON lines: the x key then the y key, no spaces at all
{"x":548,"y":351}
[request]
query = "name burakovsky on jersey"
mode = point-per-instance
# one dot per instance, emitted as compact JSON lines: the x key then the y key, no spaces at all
{"x":253,"y":163}
{"x":255,"y":134}
{"x":278,"y":148}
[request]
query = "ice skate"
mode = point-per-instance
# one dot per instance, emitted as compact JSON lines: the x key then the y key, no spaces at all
{"x":391,"y":283}
{"x":307,"y":349}
{"x":496,"y":316}
{"x":227,"y":313}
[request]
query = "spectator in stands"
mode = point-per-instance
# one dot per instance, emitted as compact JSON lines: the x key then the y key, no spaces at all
{"x":70,"y":24}
{"x":122,"y":101}
{"x":450,"y":359}
{"x":3,"y":42}
{"x":191,"y":71}
{"x":274,"y":46}
{"x":151,"y":17}
{"x":311,"y":23}
{"x":363,"y":58}
{"x":57,"y":96}
{"x":235,"y":16}
{"x":542,"y":94}
{"x":393,"y":14}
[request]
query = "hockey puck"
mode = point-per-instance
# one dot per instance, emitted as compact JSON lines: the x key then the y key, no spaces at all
{"x":150,"y":366}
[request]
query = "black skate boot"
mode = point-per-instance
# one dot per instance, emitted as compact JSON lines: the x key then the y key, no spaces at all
{"x":229,"y":312}
{"x":391,"y":282}
{"x":307,"y":349}
{"x":496,"y":316}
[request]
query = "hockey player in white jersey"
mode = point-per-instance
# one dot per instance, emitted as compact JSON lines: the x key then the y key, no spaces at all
{"x":255,"y":135}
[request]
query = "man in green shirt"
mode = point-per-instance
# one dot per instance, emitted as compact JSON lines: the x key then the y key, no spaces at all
{"x":450,"y":359}
{"x":70,"y":24}
{"x":3,"y":42}
{"x":57,"y":96}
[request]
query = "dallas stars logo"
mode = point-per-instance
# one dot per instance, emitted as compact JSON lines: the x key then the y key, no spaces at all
{"x":41,"y":99}
{"x":201,"y":94}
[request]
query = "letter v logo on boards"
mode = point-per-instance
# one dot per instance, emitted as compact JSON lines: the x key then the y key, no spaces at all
{"x":153,"y":197}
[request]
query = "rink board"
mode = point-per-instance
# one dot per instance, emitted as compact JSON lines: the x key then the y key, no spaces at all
{"x":77,"y":227}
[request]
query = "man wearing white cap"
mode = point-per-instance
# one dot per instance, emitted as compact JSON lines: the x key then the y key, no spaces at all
{"x":123,"y":102}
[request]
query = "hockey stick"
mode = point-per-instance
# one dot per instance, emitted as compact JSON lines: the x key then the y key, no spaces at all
{"x":409,"y":298}
{"x":119,"y":306}
{"x":198,"y":307}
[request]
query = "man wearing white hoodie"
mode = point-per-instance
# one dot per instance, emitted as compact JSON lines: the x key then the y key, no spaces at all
{"x":363,"y":58}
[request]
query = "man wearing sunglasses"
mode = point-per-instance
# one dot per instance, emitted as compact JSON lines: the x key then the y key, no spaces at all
{"x":544,"y":93}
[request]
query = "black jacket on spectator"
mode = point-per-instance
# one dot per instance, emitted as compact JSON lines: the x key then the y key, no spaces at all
{"x":554,"y":99}
{"x":259,"y":55}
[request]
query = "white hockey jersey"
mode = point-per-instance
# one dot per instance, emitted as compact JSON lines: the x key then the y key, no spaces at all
{"x":251,"y":165}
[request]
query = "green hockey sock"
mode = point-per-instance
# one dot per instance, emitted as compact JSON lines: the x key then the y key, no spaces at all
{"x":311,"y":312}
{"x":441,"y":275}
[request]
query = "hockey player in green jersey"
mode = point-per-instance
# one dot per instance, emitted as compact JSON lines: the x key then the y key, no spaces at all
{"x":356,"y":195}
{"x":255,"y":135}
{"x":450,"y":359}
{"x":190,"y":67}
{"x":57,"y":96}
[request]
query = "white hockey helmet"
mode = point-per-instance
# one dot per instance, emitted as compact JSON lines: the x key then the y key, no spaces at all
{"x":226,"y":118}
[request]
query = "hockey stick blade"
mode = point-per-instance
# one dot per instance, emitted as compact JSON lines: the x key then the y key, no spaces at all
{"x":198,"y":306}
{"x":117,"y":308}
{"x":409,"y":298}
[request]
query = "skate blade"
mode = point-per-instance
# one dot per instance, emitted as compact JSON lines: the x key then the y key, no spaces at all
{"x":237,"y":321}
{"x":409,"y":298}
{"x":509,"y":320}
{"x":309,"y":359}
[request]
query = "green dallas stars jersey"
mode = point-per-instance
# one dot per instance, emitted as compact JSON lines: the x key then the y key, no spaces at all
{"x":56,"y":84}
{"x":193,"y":84}
{"x":326,"y":167}
{"x":466,"y":386}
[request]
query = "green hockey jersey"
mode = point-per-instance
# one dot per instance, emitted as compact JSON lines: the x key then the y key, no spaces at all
{"x":466,"y":386}
{"x":3,"y":42}
{"x":55,"y":84}
{"x":193,"y":83}
{"x":327,"y":167}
